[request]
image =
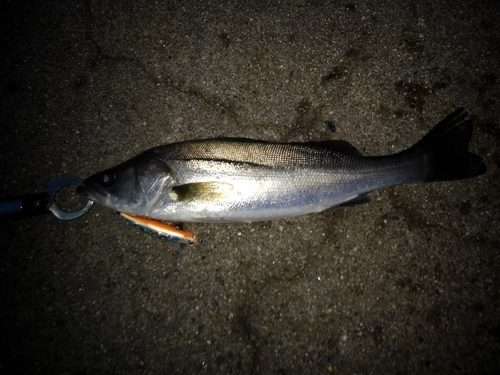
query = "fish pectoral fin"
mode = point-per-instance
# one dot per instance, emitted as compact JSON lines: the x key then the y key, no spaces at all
{"x":360,"y":199}
{"x":201,"y":191}
{"x":160,"y":229}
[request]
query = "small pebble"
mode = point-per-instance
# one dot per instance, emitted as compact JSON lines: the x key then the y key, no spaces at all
{"x":331,"y":126}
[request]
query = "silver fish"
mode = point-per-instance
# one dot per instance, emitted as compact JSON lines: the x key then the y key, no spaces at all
{"x":242,"y":180}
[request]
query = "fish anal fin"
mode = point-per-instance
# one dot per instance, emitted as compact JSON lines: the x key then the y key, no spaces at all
{"x":360,"y":199}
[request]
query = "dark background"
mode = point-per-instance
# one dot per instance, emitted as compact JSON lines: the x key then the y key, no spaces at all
{"x":406,"y":284}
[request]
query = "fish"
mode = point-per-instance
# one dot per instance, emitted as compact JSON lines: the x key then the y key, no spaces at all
{"x":228,"y":180}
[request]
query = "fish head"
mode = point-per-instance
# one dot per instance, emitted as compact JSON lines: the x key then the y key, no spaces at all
{"x":131,"y":187}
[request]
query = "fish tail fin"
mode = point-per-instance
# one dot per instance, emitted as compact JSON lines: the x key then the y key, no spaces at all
{"x":444,"y":150}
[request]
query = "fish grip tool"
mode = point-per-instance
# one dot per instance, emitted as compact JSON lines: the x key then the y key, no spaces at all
{"x":29,"y":205}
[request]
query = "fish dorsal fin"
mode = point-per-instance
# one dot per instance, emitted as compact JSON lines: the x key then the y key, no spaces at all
{"x":335,"y":145}
{"x":210,"y":190}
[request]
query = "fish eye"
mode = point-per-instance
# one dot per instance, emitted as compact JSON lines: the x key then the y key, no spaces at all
{"x":106,"y":178}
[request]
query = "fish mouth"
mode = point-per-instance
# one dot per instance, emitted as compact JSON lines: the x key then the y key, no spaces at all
{"x":82,"y":190}
{"x":90,"y":193}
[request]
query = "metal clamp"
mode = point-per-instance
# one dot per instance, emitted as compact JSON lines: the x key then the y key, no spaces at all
{"x":53,"y":187}
{"x":29,"y":205}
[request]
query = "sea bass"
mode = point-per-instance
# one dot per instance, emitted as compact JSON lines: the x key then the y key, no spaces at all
{"x":243,"y":180}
